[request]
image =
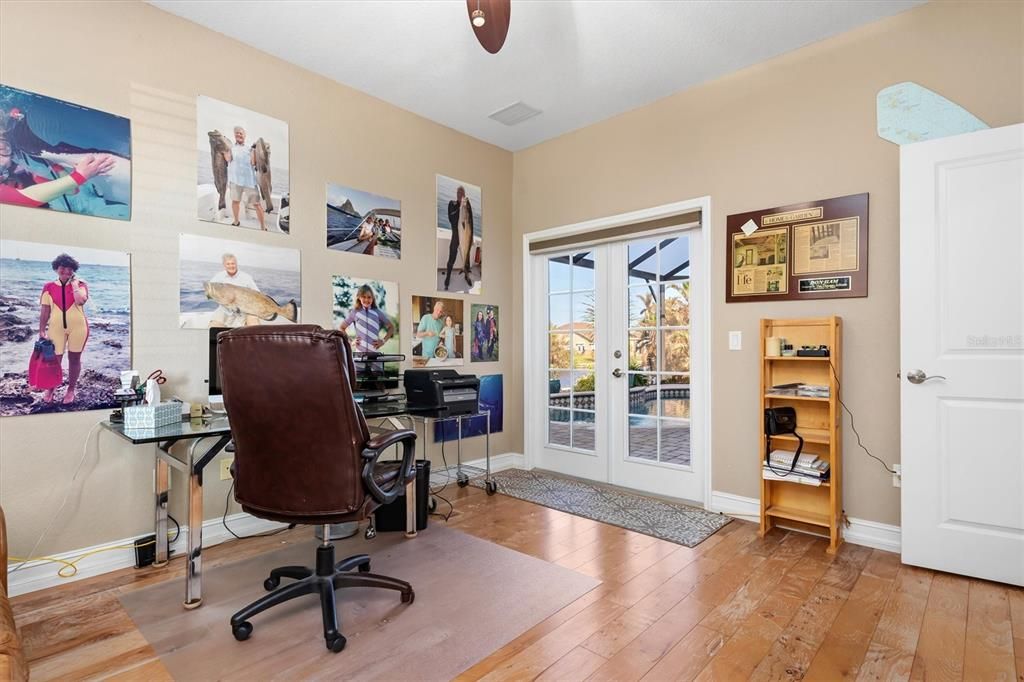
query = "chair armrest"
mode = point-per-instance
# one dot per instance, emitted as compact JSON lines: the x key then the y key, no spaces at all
{"x":373,"y":450}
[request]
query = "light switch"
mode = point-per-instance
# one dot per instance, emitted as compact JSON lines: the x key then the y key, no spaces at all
{"x":735,"y":340}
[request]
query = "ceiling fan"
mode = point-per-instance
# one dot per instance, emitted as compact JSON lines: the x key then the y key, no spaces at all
{"x":489,"y":19}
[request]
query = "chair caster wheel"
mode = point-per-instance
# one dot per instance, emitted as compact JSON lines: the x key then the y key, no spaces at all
{"x":370,"y":533}
{"x":242,"y":630}
{"x":364,"y":568}
{"x":463,"y":482}
{"x":491,"y":487}
{"x":408,"y":597}
{"x":271,"y":584}
{"x":336,"y":643}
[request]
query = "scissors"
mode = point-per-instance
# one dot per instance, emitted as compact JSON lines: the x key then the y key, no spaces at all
{"x":157,"y":375}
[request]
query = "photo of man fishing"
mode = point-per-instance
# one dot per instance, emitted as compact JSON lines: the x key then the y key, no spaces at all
{"x":225,"y":283}
{"x":242,"y":167}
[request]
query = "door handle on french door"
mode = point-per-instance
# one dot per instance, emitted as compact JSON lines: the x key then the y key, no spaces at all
{"x":616,"y":372}
{"x":917,"y":376}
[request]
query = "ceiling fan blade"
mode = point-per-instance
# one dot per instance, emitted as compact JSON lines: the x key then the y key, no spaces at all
{"x":496,"y":14}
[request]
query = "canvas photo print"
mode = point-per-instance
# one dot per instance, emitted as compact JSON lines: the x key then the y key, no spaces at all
{"x":368,"y":311}
{"x":483,"y":333}
{"x":437,"y":332}
{"x":365,"y":223}
{"x":460,"y":229}
{"x":226,"y":283}
{"x":64,"y":157}
{"x":65,"y":327}
{"x":242,"y":167}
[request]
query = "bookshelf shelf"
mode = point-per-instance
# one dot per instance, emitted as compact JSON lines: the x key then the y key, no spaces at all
{"x":789,"y":502}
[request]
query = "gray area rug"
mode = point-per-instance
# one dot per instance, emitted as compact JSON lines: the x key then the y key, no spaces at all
{"x":660,"y":518}
{"x":472,"y":598}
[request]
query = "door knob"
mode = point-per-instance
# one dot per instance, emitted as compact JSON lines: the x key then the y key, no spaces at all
{"x":917,"y":376}
{"x":616,"y":372}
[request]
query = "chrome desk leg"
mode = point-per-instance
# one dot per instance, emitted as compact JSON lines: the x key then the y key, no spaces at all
{"x":410,"y":508}
{"x":459,"y":476}
{"x":487,"y":450}
{"x":194,"y":567}
{"x":161,"y":481}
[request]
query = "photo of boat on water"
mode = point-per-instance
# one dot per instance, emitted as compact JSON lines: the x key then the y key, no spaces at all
{"x":242,"y":167}
{"x":65,"y":327}
{"x":63,"y":156}
{"x":362,"y":222}
{"x":460,"y":235}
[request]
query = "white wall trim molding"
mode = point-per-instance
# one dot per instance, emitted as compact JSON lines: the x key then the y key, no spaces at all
{"x":860,"y":531}
{"x":112,"y":556}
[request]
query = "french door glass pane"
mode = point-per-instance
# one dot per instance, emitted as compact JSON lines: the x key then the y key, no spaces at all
{"x":674,"y":259}
{"x":583,"y":425}
{"x":583,"y":393}
{"x":583,"y":311}
{"x":643,"y":438}
{"x":643,"y":392}
{"x":558,"y":389}
{"x":583,"y":271}
{"x":676,"y":350}
{"x":559,"y":274}
{"x":675,"y":310}
{"x":558,"y":351}
{"x":643,"y":261}
{"x":643,"y":306}
{"x":643,"y":350}
{"x":558,"y":428}
{"x":559,"y":307}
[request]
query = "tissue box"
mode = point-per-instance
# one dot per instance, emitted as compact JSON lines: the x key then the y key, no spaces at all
{"x":151,"y":416}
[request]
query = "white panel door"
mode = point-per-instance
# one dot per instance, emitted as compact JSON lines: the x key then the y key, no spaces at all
{"x":962,"y":353}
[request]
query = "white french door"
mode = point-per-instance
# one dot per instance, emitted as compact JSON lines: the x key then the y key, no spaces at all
{"x":617,"y":391}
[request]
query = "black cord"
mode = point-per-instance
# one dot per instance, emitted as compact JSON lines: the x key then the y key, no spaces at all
{"x":177,"y":529}
{"x":224,"y":520}
{"x":447,"y":482}
{"x":852,"y":426}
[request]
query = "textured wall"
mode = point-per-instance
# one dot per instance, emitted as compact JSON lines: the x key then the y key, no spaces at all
{"x":137,"y":61}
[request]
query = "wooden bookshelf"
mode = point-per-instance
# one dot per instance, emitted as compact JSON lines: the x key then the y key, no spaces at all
{"x":815,"y":509}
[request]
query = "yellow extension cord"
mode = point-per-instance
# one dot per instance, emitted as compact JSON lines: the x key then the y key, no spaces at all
{"x":72,"y":564}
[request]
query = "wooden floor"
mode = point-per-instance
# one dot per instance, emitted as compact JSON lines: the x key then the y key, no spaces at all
{"x":732,"y":608}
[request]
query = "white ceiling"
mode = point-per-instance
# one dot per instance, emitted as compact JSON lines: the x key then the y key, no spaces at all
{"x":579,"y":61}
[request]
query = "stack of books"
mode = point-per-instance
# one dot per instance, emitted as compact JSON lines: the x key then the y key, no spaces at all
{"x":809,"y":469}
{"x":798,"y":389}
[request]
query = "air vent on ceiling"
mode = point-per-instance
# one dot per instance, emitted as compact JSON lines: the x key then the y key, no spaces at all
{"x":514,"y":114}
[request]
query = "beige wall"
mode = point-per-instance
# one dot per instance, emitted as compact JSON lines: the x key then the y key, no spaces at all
{"x":797,"y":128}
{"x":137,"y":61}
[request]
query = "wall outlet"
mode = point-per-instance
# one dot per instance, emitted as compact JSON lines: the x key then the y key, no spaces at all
{"x":225,"y":468}
{"x":897,"y":478}
{"x":735,"y":340}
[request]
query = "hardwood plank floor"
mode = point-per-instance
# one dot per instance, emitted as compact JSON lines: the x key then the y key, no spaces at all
{"x":732,"y":608}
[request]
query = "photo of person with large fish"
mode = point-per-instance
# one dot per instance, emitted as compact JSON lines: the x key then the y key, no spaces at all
{"x":460,"y":229}
{"x":65,"y":329}
{"x":63,"y":157}
{"x":243,"y":167}
{"x":225,"y":283}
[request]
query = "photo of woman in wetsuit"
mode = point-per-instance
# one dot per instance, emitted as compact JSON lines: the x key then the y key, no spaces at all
{"x":65,"y":329}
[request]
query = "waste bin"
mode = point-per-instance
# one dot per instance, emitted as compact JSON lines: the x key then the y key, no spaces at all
{"x":391,"y":517}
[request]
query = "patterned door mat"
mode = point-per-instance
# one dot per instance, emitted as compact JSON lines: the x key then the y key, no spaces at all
{"x":672,"y":521}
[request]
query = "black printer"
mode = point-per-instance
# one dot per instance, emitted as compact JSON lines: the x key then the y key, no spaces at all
{"x":437,"y":389}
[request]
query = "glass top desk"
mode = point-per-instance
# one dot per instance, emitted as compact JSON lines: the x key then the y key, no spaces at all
{"x":192,"y":462}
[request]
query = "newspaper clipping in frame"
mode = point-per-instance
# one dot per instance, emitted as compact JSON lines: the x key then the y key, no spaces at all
{"x":761,"y":262}
{"x":829,"y":246}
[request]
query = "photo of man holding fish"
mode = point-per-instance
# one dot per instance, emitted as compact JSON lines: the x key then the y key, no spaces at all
{"x":225,"y":283}
{"x":63,"y":157}
{"x":242,"y":167}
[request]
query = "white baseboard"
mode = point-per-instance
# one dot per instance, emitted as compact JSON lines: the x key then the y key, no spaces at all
{"x":860,"y":531}
{"x":506,"y":460}
{"x":112,"y":556}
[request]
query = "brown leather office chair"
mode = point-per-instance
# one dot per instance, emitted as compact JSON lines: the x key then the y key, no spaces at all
{"x":303,"y":454}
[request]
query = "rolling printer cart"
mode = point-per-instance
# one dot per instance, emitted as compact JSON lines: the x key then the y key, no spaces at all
{"x":810,"y":385}
{"x":461,"y":476}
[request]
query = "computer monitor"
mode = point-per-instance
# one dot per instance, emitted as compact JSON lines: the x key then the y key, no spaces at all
{"x":213,"y":378}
